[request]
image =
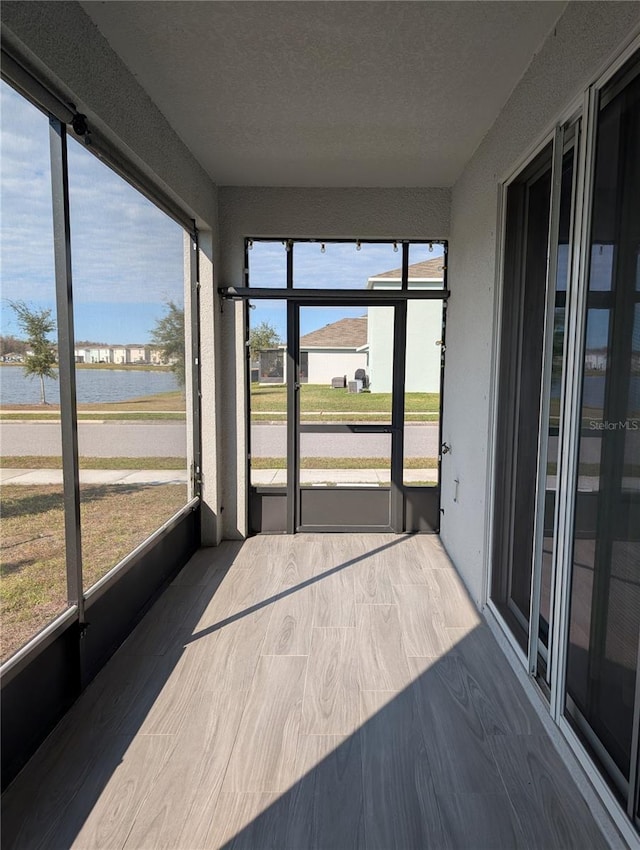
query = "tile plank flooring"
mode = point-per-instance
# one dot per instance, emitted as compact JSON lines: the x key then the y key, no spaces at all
{"x":315,"y":692}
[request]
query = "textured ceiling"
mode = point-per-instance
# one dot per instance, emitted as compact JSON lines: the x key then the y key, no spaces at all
{"x":328,"y":93}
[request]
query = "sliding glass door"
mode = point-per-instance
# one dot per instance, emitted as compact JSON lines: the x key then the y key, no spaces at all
{"x":566,"y":513}
{"x":604,"y":621}
{"x":521,"y":369}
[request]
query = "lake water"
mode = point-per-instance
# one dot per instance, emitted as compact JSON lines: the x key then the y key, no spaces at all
{"x":93,"y":386}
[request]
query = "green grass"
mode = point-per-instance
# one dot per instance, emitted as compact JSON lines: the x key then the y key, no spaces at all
{"x":91,"y":417}
{"x":343,"y":463}
{"x":318,"y":397}
{"x":114,"y":520}
{"x":55,"y":462}
{"x":319,"y":402}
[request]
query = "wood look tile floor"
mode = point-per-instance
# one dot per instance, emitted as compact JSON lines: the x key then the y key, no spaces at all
{"x":316,"y":692}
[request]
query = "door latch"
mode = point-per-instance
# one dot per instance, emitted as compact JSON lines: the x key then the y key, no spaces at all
{"x":445,"y":448}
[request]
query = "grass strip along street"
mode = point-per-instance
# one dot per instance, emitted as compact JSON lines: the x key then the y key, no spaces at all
{"x":55,"y":462}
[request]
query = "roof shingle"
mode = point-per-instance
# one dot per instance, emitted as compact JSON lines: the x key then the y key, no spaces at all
{"x":425,"y":270}
{"x":345,"y":333}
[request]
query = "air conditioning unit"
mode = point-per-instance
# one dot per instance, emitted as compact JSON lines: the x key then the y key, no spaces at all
{"x":354,"y":387}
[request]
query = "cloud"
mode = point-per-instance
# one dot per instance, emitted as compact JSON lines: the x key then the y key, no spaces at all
{"x":124,"y":250}
{"x":27,"y":236}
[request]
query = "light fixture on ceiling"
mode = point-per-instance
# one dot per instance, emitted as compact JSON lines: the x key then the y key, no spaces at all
{"x":358,"y":245}
{"x":250,"y":244}
{"x":395,"y":247}
{"x":431,"y":247}
{"x":322,"y":248}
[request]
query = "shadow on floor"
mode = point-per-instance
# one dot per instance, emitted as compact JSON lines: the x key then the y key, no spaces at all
{"x":457,"y":759}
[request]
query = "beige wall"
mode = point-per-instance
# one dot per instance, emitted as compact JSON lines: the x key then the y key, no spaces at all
{"x":586,"y":37}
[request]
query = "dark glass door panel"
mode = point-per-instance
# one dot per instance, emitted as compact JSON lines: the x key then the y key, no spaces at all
{"x":605,"y":588}
{"x":523,"y":323}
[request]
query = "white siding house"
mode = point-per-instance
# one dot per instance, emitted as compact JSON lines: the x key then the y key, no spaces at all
{"x":424,"y":331}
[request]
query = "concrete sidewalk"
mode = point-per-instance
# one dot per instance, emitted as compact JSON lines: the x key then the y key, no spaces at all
{"x":259,"y":477}
{"x":95,"y":476}
{"x":278,"y":477}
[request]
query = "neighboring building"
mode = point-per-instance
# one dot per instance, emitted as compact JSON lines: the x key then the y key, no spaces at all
{"x":339,"y":348}
{"x":424,"y":331}
{"x":139,"y":353}
{"x":120,"y":355}
{"x":596,"y":359}
{"x":335,"y":350}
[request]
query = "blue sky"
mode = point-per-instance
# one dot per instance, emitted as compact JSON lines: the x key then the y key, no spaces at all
{"x":128,"y":256}
{"x":340,"y":266}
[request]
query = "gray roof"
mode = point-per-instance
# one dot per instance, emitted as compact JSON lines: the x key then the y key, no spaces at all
{"x":345,"y":333}
{"x":425,"y":270}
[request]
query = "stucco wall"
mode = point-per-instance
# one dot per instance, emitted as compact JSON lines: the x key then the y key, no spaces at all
{"x":424,"y":330}
{"x":325,"y":365}
{"x":586,"y":37}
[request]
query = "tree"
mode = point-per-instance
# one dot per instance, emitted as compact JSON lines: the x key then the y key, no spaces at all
{"x":261,"y":337}
{"x":12,"y":345}
{"x":168,"y":336}
{"x":36,"y":326}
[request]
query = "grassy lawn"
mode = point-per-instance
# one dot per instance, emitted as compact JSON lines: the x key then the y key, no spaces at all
{"x":55,"y":462}
{"x":115,"y":520}
{"x":343,"y":463}
{"x":160,"y":406}
{"x":318,"y":400}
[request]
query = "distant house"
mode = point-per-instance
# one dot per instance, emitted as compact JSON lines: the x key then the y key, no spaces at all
{"x":333,"y":351}
{"x":120,"y":355}
{"x":366,"y":342}
{"x":424,"y":331}
{"x":139,"y":353}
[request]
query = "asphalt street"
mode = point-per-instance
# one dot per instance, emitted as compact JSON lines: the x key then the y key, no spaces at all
{"x":271,"y":441}
{"x":168,"y":439}
{"x":96,"y":439}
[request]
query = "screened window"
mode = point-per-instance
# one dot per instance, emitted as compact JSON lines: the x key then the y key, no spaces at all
{"x":33,"y":589}
{"x":129,"y":314}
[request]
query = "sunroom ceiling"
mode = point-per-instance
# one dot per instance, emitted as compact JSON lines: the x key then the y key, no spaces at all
{"x":328,"y":93}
